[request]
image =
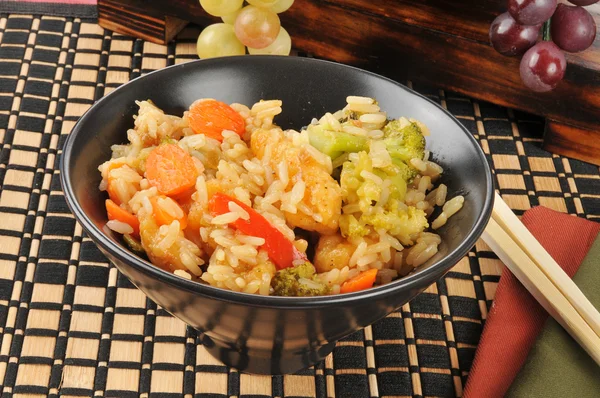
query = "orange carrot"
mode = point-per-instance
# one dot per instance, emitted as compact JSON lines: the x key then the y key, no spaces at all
{"x":211,"y":117}
{"x":164,"y":218}
{"x":171,"y":169}
{"x":115,"y":212}
{"x":362,"y":281}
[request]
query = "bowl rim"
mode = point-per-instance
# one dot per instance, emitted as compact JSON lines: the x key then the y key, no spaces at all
{"x":410,"y":281}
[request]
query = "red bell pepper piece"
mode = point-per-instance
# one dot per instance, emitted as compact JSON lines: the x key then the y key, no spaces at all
{"x":279,"y":248}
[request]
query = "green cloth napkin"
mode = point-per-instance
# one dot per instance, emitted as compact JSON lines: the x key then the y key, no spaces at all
{"x":557,"y":366}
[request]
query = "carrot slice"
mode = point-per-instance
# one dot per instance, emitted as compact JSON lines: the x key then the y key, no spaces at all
{"x":280,"y":249}
{"x":211,"y":117}
{"x":164,"y":218}
{"x":362,"y":281}
{"x":171,"y":169}
{"x":115,"y":212}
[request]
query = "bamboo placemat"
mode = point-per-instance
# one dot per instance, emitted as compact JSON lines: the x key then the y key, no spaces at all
{"x":72,"y":325}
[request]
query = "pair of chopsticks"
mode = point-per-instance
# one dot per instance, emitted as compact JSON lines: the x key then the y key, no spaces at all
{"x":543,"y":277}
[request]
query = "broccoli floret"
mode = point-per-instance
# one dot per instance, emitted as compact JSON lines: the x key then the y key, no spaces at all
{"x":335,"y":143}
{"x":351,"y":227}
{"x":403,"y":170}
{"x":300,"y":280}
{"x":404,"y":140}
{"x":403,"y":223}
{"x":398,"y":185}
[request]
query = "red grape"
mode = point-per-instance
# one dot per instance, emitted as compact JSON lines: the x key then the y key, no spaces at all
{"x":509,"y":38}
{"x":543,"y":66}
{"x":531,"y":12}
{"x":573,"y":28}
{"x":583,"y":3}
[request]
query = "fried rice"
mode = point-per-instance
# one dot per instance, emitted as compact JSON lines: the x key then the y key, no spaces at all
{"x":295,"y":187}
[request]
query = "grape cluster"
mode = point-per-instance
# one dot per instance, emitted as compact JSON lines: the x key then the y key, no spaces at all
{"x":253,"y":24}
{"x":561,"y":27}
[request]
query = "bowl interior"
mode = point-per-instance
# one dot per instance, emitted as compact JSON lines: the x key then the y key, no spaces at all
{"x":308,"y":88}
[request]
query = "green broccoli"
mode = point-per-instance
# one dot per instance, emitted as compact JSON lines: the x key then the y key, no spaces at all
{"x":350,"y":226}
{"x":403,"y":223}
{"x":404,"y":140}
{"x":403,"y":170}
{"x":398,"y":185}
{"x":300,"y":280}
{"x":335,"y":143}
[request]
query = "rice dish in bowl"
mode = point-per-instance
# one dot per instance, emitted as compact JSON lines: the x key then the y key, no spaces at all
{"x":225,"y":197}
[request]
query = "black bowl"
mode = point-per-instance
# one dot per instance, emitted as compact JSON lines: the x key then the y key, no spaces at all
{"x":253,"y":333}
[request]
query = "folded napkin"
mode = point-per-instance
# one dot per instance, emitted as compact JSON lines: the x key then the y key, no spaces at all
{"x":516,"y":320}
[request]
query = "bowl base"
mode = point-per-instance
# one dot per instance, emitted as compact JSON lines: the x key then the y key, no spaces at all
{"x":265,"y":362}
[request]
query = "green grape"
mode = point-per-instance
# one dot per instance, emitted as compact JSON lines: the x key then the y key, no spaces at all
{"x":219,"y":40}
{"x":218,"y":8}
{"x":230,"y":18}
{"x":281,"y":46}
{"x":262,"y":3}
{"x":257,"y":27}
{"x":281,"y":6}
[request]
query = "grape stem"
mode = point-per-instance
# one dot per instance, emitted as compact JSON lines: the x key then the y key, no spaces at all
{"x":546,"y":30}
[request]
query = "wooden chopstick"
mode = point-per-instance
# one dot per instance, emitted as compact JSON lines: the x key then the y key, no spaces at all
{"x":545,"y":291}
{"x":522,"y":237}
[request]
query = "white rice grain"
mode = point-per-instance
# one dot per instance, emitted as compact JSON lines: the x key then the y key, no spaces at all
{"x":330,"y":120}
{"x":183,"y":274}
{"x":350,"y":129}
{"x":170,"y":207}
{"x":358,"y":253}
{"x":425,"y":255}
{"x":418,"y":164}
{"x":353,"y":99}
{"x":282,"y":171}
{"x":253,"y":167}
{"x":235,"y":208}
{"x":251,"y":240}
{"x":297,"y":193}
{"x":265,"y":105}
{"x":363,"y":108}
{"x":375,"y":134}
{"x":119,"y":227}
{"x":320,"y":158}
{"x":226,"y":218}
{"x":373,"y":118}
{"x":432,"y":169}
{"x":367,"y":175}
{"x":440,"y":196}
{"x":440,"y":221}
{"x":453,"y":205}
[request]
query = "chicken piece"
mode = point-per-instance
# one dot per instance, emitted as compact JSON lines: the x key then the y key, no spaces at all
{"x":332,"y":251}
{"x":170,"y":252}
{"x":323,"y":195}
{"x":192,"y":231}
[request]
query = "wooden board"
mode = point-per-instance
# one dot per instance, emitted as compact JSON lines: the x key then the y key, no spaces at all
{"x":440,"y":42}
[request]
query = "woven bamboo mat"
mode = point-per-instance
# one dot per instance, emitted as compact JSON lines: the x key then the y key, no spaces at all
{"x":72,"y":325}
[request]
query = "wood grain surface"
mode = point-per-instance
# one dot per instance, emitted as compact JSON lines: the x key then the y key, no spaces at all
{"x":439,"y":42}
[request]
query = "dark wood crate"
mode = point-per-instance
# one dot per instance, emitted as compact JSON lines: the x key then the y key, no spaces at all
{"x":440,"y":42}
